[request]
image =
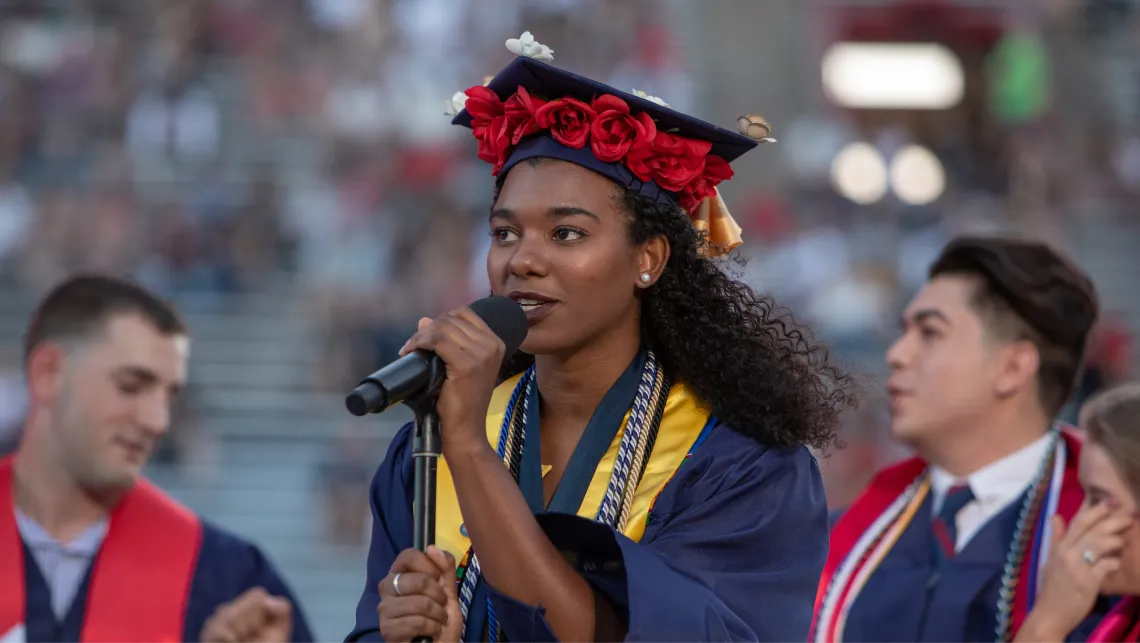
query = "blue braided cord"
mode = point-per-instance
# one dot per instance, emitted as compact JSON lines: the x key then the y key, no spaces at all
{"x":505,"y":430}
{"x":492,"y":623}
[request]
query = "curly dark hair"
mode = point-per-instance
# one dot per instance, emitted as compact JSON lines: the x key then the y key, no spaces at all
{"x":746,"y":358}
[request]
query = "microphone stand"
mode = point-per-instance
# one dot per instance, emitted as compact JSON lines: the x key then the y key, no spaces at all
{"x":425,"y":455}
{"x":426,"y":449}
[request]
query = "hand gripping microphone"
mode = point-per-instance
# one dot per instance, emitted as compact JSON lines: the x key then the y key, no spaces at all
{"x":421,"y":372}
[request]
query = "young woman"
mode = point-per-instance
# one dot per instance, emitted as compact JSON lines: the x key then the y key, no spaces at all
{"x":1098,"y":553}
{"x":643,"y":471}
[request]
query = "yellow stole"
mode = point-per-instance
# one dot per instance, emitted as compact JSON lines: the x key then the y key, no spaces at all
{"x":681,"y":424}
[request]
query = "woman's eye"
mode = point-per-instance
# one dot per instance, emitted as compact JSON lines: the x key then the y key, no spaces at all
{"x":568,"y":234}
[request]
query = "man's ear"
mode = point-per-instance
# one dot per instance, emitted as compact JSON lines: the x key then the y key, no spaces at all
{"x":1018,"y":367}
{"x":45,"y":371}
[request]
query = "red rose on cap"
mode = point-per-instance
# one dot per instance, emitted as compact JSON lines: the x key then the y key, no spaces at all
{"x":672,"y":161}
{"x":483,"y":104}
{"x":489,"y":125}
{"x":568,"y":119}
{"x":615,"y":131}
{"x":716,"y":171}
{"x":521,"y":110}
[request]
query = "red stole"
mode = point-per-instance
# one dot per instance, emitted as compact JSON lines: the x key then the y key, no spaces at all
{"x":884,"y":490}
{"x":1121,"y":624}
{"x":141,"y":578}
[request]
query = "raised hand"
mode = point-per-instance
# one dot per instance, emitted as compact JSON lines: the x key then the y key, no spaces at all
{"x":473,"y":355}
{"x":1081,"y":555}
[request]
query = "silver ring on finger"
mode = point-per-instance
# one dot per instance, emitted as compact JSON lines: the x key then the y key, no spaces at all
{"x":396,"y":583}
{"x":1089,"y":557}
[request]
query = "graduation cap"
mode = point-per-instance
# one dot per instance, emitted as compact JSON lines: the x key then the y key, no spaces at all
{"x":533,"y":109}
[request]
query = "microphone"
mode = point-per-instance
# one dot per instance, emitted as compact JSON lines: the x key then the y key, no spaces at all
{"x":421,"y":371}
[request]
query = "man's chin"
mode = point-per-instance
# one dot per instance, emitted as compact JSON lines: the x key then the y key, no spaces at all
{"x":114,"y":481}
{"x":906,"y":432}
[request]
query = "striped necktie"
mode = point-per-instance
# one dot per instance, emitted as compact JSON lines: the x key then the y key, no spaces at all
{"x":945,"y":523}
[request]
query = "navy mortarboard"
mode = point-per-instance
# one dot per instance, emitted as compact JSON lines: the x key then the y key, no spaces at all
{"x":534,"y":109}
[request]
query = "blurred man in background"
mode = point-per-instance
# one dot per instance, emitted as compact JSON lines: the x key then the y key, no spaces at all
{"x":945,"y":547}
{"x":90,"y":551}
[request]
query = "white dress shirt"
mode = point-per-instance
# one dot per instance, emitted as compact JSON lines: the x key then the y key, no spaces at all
{"x":63,"y":566}
{"x":994,"y":486}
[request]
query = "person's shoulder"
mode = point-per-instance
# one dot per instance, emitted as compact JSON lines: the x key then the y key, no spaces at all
{"x":726,"y":445}
{"x":229,"y":564}
{"x":221,"y":546}
{"x":896,"y":474}
{"x":727,"y":458}
{"x":892,"y":478}
{"x":739,"y":474}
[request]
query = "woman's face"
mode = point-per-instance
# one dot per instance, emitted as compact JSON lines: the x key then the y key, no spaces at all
{"x":560,"y":247}
{"x":1103,"y":484}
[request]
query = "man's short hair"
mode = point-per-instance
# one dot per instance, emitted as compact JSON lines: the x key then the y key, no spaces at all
{"x":80,"y":307}
{"x":1030,"y":291}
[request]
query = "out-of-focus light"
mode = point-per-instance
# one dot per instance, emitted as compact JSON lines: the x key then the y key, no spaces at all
{"x":859,"y":173}
{"x":892,"y":75}
{"x":917,"y":176}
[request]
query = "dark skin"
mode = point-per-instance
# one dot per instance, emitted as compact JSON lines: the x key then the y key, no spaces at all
{"x":559,"y":233}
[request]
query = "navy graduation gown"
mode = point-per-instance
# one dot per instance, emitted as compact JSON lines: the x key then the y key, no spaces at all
{"x":227,"y":566}
{"x":906,"y":599}
{"x":733,"y":548}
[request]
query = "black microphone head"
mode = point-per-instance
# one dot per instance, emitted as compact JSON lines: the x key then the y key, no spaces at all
{"x":365,"y":399}
{"x":506,"y":318}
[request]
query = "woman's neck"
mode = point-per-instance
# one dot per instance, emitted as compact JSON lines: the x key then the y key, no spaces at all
{"x":572,"y":388}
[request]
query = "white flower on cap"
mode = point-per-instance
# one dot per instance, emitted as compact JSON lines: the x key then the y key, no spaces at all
{"x":526,"y":45}
{"x":455,"y":104}
{"x":652,"y":99}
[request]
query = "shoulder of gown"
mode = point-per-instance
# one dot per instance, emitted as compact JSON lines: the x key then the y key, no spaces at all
{"x":733,"y":550}
{"x":228,"y":566}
